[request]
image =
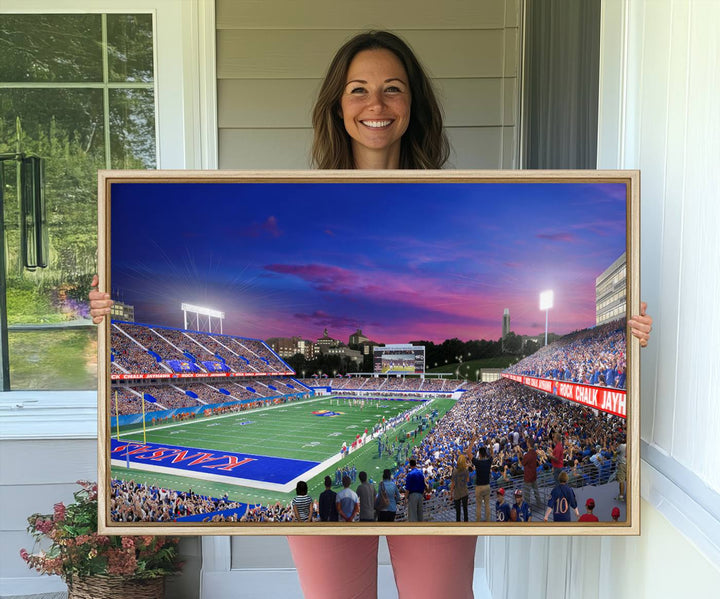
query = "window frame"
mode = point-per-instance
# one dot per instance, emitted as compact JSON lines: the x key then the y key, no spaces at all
{"x":186,"y":138}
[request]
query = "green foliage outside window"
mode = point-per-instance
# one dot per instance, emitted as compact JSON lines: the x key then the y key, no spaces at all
{"x":82,"y":105}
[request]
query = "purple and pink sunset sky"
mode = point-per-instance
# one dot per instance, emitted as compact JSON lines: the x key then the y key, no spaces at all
{"x":401,"y":261}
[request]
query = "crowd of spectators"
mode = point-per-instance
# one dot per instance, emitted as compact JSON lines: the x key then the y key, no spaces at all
{"x":136,"y":502}
{"x":594,"y":356}
{"x":219,"y":348}
{"x":340,"y":382}
{"x":403,"y":383}
{"x":501,"y":416}
{"x":386,"y":384}
{"x":127,"y":401}
{"x":265,"y":359}
{"x":438,"y":385}
{"x":172,"y":394}
{"x":169,"y":397}
{"x":115,"y":368}
{"x":128,"y":352}
{"x":141,"y":349}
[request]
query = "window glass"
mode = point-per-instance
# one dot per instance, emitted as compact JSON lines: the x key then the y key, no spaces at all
{"x":53,"y":359}
{"x":62,"y":116}
{"x":37,"y":48}
{"x":130,"y":47}
{"x":132,"y":128}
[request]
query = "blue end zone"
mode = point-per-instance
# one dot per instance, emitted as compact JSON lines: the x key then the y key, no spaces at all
{"x":253,"y":470}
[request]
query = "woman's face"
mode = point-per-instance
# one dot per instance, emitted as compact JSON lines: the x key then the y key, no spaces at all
{"x":375,"y":105}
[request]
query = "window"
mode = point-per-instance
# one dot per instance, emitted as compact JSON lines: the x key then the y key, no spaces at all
{"x":77,"y":90}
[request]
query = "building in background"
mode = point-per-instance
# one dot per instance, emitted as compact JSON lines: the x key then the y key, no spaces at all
{"x":357,"y":338}
{"x":287,"y":347}
{"x":506,"y":323}
{"x":610,"y":292}
{"x":326,"y":342}
{"x":361,"y":343}
{"x":122,"y":311}
{"x":345,"y":352}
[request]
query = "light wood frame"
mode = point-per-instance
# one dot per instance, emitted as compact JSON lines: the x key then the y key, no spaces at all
{"x":106,"y":179}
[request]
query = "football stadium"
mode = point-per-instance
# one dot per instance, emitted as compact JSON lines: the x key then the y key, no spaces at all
{"x":216,"y":426}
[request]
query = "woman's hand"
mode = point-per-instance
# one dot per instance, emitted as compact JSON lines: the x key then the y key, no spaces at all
{"x":99,"y":302}
{"x":641,"y":325}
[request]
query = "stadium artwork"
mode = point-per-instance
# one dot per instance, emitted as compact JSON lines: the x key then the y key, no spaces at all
{"x":278,"y":336}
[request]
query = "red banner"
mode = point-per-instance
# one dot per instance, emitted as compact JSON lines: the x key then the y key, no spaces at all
{"x":604,"y":399}
{"x":193,"y":375}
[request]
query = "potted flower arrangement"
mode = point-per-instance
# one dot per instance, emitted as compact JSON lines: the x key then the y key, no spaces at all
{"x":95,"y":566}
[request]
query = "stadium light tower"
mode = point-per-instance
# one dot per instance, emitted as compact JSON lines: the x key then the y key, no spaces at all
{"x":546,"y":302}
{"x":199,"y":311}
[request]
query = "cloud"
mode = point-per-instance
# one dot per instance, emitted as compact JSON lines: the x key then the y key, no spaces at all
{"x":268,"y":228}
{"x":321,"y":276}
{"x":568,"y":237}
{"x":325,"y":320}
{"x":329,"y":232}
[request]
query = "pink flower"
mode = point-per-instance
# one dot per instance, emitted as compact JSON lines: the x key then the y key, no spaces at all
{"x":59,"y":512}
{"x":128,"y":542}
{"x":44,"y":526}
{"x":24,"y":555}
{"x":53,"y":565}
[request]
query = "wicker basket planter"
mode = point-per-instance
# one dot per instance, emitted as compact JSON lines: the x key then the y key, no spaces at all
{"x":116,"y":587}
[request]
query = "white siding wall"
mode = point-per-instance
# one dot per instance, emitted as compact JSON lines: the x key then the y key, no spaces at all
{"x":659,"y":85}
{"x":36,"y":473}
{"x":271,"y":57}
{"x":672,"y":132}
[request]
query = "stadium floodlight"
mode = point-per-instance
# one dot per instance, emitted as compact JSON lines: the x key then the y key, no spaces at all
{"x":546,"y":302}
{"x":200,"y":311}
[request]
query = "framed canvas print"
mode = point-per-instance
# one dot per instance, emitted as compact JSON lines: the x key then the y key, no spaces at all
{"x":365,"y":352}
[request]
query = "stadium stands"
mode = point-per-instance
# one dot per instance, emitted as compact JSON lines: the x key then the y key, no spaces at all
{"x":594,"y":356}
{"x":386,"y":384}
{"x":145,"y":349}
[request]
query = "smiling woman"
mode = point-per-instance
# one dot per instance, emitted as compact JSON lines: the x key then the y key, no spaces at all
{"x":375,"y":108}
{"x":374,"y":78}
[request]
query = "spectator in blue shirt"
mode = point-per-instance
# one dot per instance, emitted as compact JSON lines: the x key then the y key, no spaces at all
{"x":415,"y":487}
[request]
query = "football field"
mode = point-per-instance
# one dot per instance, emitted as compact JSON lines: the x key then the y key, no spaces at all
{"x":258,"y":455}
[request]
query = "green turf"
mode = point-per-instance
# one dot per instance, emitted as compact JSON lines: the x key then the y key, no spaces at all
{"x":289,"y":430}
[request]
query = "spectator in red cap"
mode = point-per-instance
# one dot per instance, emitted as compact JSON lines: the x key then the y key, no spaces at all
{"x":521,"y":510}
{"x":615,"y":514}
{"x":588,"y":516}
